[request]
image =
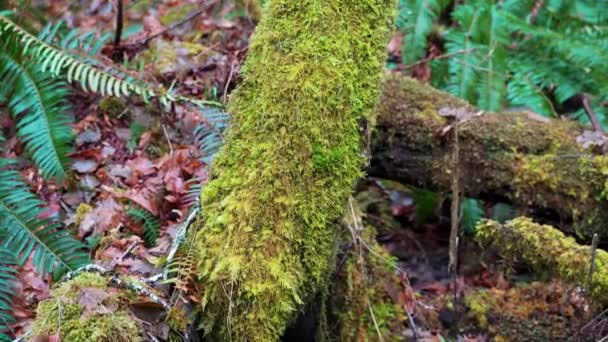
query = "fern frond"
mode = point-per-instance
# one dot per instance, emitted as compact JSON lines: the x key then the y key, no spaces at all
{"x":194,"y":191}
{"x":150,"y":224}
{"x":491,"y":86}
{"x":209,"y":135}
{"x":91,"y":79}
{"x":7,"y":279}
{"x":524,"y":92}
{"x":416,"y":18}
{"x":38,"y":104}
{"x":54,"y":249}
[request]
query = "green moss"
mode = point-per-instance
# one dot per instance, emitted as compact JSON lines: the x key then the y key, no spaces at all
{"x":252,"y":8}
{"x":81,"y":211}
{"x":478,"y":305}
{"x":534,"y":311}
{"x":361,"y":287}
{"x":64,"y":314}
{"x":548,"y":249}
{"x":113,"y":106}
{"x":177,"y":13}
{"x":290,"y":161}
{"x":173,"y":56}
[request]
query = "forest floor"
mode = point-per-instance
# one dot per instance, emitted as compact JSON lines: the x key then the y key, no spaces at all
{"x":130,"y":154}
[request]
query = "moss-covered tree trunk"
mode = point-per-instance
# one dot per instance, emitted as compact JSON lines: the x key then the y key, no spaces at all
{"x":522,"y":158}
{"x":292,"y":155}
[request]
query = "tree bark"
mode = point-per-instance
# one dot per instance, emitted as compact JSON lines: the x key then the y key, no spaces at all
{"x":292,"y":156}
{"x":526,"y":159}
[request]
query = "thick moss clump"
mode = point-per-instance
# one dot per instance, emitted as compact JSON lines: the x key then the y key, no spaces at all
{"x":77,"y":311}
{"x":547,"y":249}
{"x":291,"y":158}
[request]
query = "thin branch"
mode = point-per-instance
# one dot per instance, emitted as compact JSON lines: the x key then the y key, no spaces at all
{"x":592,"y":262}
{"x":455,"y":224}
{"x":119,"y":23}
{"x":174,"y":26}
{"x":444,"y":56}
{"x":595,"y":123}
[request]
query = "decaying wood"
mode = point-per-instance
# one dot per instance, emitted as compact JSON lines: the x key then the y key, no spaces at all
{"x":520,"y":157}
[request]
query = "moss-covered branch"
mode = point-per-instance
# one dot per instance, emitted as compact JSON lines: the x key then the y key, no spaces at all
{"x":547,"y":249}
{"x":292,"y":155}
{"x":530,"y":161}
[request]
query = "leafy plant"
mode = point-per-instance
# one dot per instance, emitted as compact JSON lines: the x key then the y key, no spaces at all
{"x":7,"y":277}
{"x":149,"y":223}
{"x":209,"y":135}
{"x":37,"y":101}
{"x":471,"y":212}
{"x":136,"y":131}
{"x":25,"y":233}
{"x":535,"y":54}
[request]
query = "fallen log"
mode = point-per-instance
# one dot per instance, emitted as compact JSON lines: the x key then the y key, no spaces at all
{"x":547,"y":249}
{"x":526,"y":159}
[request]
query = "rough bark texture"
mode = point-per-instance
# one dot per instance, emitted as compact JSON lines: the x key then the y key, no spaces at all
{"x":293,"y":153}
{"x":525,"y":159}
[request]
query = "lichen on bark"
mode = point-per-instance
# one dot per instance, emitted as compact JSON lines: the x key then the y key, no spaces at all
{"x":292,"y":155}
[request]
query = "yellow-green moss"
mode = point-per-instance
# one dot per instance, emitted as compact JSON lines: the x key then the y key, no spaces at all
{"x":81,"y":211}
{"x":113,"y":106}
{"x":177,"y":13}
{"x":526,"y":312}
{"x":547,"y":248}
{"x":291,"y":158}
{"x":63,"y":314}
{"x":361,"y":288}
{"x":173,"y":56}
{"x":251,"y":7}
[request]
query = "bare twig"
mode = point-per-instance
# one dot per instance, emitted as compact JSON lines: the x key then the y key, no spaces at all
{"x":444,"y":56}
{"x":595,"y":123}
{"x":535,"y":10}
{"x":168,"y":139}
{"x":225,"y":95}
{"x":592,"y":261}
{"x":174,"y":26}
{"x":455,"y":209}
{"x":119,"y":23}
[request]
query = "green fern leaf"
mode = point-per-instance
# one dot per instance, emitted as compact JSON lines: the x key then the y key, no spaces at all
{"x":53,"y":249}
{"x":471,"y":212}
{"x":7,"y":279}
{"x":150,"y":224}
{"x":416,"y":18}
{"x":38,"y":103}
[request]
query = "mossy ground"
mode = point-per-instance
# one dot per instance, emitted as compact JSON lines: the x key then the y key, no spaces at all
{"x":77,"y":312}
{"x":291,"y":158}
{"x":535,"y":311}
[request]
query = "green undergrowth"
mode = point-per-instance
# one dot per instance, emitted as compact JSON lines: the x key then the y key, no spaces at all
{"x":290,"y":160}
